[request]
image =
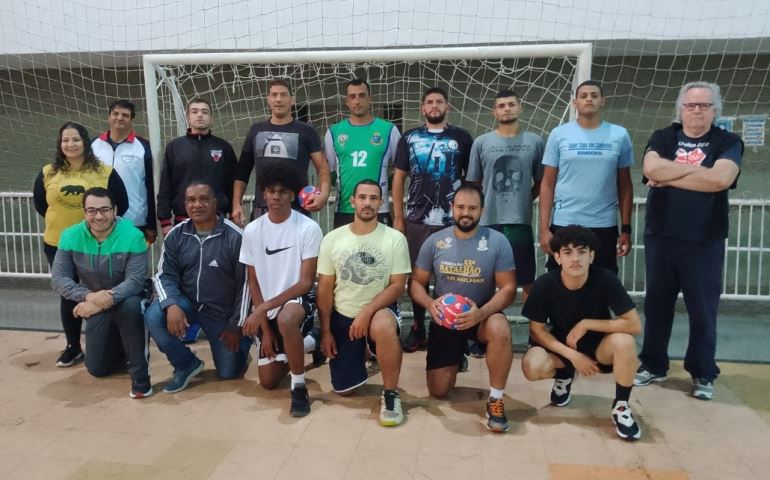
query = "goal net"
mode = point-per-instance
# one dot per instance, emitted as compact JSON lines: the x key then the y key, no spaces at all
{"x":235,"y":83}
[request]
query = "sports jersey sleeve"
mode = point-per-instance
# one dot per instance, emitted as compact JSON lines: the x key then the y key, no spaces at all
{"x":424,"y":259}
{"x":246,"y":160}
{"x":311,"y":138}
{"x":658,"y":144}
{"x":231,"y":167}
{"x":390,"y":153}
{"x":536,"y":307}
{"x":149,"y":184}
{"x":38,"y":195}
{"x":617,"y":298}
{"x":626,"y":157}
{"x":118,"y":190}
{"x":474,"y":163}
{"x":537,"y":160}
{"x":164,"y":188}
{"x":330,"y":152}
{"x":242,"y":297}
{"x":551,"y":153}
{"x":325,"y":260}
{"x":401,"y":263}
{"x":466,"y":142}
{"x":136,"y":272}
{"x":401,"y":161}
{"x":734,"y":152}
{"x":312,"y":241}
{"x":504,"y":257}
{"x":64,"y":272}
{"x":246,"y":255}
{"x":168,"y":278}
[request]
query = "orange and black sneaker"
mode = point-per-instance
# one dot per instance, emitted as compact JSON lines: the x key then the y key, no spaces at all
{"x":496,"y":420}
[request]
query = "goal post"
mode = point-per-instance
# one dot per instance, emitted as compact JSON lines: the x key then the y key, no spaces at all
{"x":545,"y":75}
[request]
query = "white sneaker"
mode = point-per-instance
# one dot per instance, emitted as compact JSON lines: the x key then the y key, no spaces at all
{"x":702,"y":389}
{"x":391,"y":413}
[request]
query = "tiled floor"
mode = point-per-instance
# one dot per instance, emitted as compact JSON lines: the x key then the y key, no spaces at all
{"x":64,"y":424}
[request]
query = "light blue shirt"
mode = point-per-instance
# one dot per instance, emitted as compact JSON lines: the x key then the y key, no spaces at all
{"x":586,"y":190}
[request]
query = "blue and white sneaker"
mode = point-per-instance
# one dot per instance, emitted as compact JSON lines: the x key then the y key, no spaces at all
{"x":192,"y":334}
{"x":645,"y":377}
{"x":702,"y":389}
{"x":181,"y":378}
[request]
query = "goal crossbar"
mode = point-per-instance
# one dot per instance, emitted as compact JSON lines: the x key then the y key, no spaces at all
{"x":152,"y":62}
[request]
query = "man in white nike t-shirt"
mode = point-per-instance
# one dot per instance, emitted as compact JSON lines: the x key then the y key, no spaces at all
{"x":280,"y":250}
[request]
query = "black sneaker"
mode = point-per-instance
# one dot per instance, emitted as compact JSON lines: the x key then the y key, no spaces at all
{"x":300,"y":402}
{"x":496,"y":419}
{"x":561,"y":391}
{"x":476,"y":350}
{"x":70,"y":356}
{"x":625,"y":425}
{"x":463,"y":364}
{"x":414,"y":341}
{"x":318,"y":356}
{"x":140,"y":390}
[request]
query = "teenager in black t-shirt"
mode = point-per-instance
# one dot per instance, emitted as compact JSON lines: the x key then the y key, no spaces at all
{"x":584,"y":337}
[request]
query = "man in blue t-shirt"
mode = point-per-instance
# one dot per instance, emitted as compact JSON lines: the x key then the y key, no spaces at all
{"x":587,"y":177}
{"x":689,"y":167}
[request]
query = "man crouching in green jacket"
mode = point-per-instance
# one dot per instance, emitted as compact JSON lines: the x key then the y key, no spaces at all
{"x":102,"y":263}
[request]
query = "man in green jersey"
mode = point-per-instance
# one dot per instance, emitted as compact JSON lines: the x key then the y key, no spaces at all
{"x":359,"y":148}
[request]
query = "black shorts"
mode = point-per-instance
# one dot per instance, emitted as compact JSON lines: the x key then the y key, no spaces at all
{"x":307,"y":302}
{"x":586,"y":345}
{"x":446,"y":347}
{"x":416,"y":234}
{"x":341,"y":219}
{"x":522,"y":243}
{"x":348,"y":368}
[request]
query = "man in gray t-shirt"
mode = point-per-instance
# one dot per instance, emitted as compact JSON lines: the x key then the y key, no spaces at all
{"x":477,"y":263}
{"x":507,"y":164}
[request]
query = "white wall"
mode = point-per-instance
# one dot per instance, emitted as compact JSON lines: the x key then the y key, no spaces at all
{"x":40,"y":26}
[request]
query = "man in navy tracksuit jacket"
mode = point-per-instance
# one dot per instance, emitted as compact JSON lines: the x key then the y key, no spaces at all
{"x":200,"y":281}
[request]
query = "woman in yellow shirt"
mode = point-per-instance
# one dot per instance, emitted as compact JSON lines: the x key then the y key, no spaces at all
{"x":58,"y":195}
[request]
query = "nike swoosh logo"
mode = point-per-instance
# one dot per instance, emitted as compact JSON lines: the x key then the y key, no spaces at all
{"x":273,"y":252}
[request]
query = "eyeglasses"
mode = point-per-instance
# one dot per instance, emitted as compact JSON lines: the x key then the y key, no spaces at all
{"x":91,"y":212}
{"x":690,"y":107}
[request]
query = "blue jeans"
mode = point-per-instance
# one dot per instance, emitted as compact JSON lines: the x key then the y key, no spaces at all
{"x":695,"y":269}
{"x":229,"y":364}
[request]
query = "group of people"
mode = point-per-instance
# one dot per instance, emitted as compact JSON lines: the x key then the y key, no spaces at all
{"x":464,"y":224}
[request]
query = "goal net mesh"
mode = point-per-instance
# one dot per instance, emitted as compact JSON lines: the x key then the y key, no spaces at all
{"x":238,"y":92}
